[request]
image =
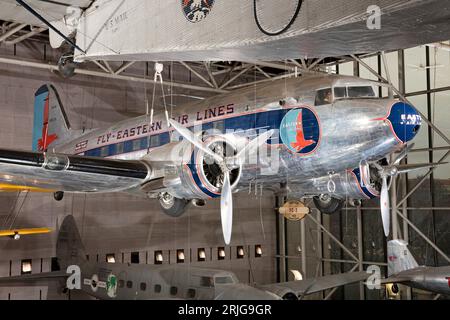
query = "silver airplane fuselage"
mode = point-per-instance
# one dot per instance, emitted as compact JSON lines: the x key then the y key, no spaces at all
{"x":144,"y":282}
{"x":317,"y":140}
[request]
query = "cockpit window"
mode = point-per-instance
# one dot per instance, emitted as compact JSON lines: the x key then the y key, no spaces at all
{"x":360,"y":92}
{"x":206,"y":282}
{"x":340,"y":92}
{"x":323,"y":96}
{"x":223,"y":280}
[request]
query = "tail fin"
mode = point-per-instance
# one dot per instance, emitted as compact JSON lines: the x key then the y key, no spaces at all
{"x":399,"y":257}
{"x":50,"y":124}
{"x":69,"y":248}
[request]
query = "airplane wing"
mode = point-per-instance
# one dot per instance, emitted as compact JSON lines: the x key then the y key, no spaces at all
{"x":37,"y":279}
{"x":395,"y":279}
{"x":313,"y":285}
{"x":52,"y":10}
{"x":21,"y":232}
{"x":61,"y":172}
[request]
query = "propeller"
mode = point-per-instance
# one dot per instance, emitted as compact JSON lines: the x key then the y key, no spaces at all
{"x":384,"y":206}
{"x":226,"y":164}
{"x":392,"y":170}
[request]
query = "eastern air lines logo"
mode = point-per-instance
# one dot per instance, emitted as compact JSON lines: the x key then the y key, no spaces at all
{"x":300,"y":131}
{"x":196,"y":10}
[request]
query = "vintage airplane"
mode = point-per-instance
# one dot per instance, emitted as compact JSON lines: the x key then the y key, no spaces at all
{"x":403,"y":269}
{"x":134,"y":281}
{"x":17,"y":233}
{"x":329,"y":137}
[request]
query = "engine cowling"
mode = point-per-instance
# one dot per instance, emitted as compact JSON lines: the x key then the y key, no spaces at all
{"x":189,"y":173}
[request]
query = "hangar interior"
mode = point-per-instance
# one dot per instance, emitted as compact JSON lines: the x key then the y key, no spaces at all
{"x":266,"y":247}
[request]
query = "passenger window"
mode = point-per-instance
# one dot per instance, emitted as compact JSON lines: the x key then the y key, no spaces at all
{"x":119,"y":148}
{"x":219,"y":126}
{"x":121,"y":283}
{"x":360,"y":92}
{"x":136,"y":144}
{"x":173,"y":291}
{"x":143,"y":286}
{"x":154,"y":141}
{"x":340,"y":92}
{"x":323,"y":97}
{"x":157,"y":288}
{"x":191,"y":293}
{"x":104,"y":151}
{"x":129,"y":284}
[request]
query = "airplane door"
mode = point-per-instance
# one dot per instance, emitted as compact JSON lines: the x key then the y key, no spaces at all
{"x":121,"y":285}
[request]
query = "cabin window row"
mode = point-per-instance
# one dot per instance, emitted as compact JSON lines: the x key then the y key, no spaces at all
{"x":157,"y":288}
{"x":130,"y":146}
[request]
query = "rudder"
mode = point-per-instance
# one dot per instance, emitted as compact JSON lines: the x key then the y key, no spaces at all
{"x":399,"y":257}
{"x":50,"y":124}
{"x":69,"y":247}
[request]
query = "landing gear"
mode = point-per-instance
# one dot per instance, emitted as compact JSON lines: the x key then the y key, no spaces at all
{"x":395,"y":289}
{"x":327,"y":204}
{"x":58,"y":195}
{"x":172,"y":206}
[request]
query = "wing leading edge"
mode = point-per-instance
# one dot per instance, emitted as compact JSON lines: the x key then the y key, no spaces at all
{"x":313,"y":285}
{"x":70,"y":173}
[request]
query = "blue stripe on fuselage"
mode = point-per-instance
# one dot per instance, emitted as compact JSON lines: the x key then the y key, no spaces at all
{"x":261,"y":120}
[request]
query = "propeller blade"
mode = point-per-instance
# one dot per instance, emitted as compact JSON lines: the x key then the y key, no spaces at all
{"x":405,"y":168}
{"x":384,"y":206}
{"x":403,"y":154}
{"x":364,"y":172}
{"x":226,"y":208}
{"x":253,"y":145}
{"x":188,"y":135}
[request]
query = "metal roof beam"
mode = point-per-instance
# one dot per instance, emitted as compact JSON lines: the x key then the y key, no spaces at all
{"x":51,"y":67}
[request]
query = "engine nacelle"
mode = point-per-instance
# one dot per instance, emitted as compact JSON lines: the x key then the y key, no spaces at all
{"x":189,"y":173}
{"x":283,"y":292}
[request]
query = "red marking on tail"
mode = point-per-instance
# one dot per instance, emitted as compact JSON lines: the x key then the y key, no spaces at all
{"x":300,"y":142}
{"x":46,"y":140}
{"x":392,"y":258}
{"x":448,"y":279}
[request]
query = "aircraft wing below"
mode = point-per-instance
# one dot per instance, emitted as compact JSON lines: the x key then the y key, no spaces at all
{"x":313,"y":285}
{"x":395,"y":279}
{"x":60,"y":172}
{"x":33,"y":279}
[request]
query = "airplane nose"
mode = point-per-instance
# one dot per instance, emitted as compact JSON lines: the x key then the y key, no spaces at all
{"x":405,"y":121}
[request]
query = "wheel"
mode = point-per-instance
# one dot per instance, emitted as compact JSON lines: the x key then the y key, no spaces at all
{"x":58,"y":195}
{"x":395,"y":289}
{"x":172,"y":206}
{"x":327,"y":204}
